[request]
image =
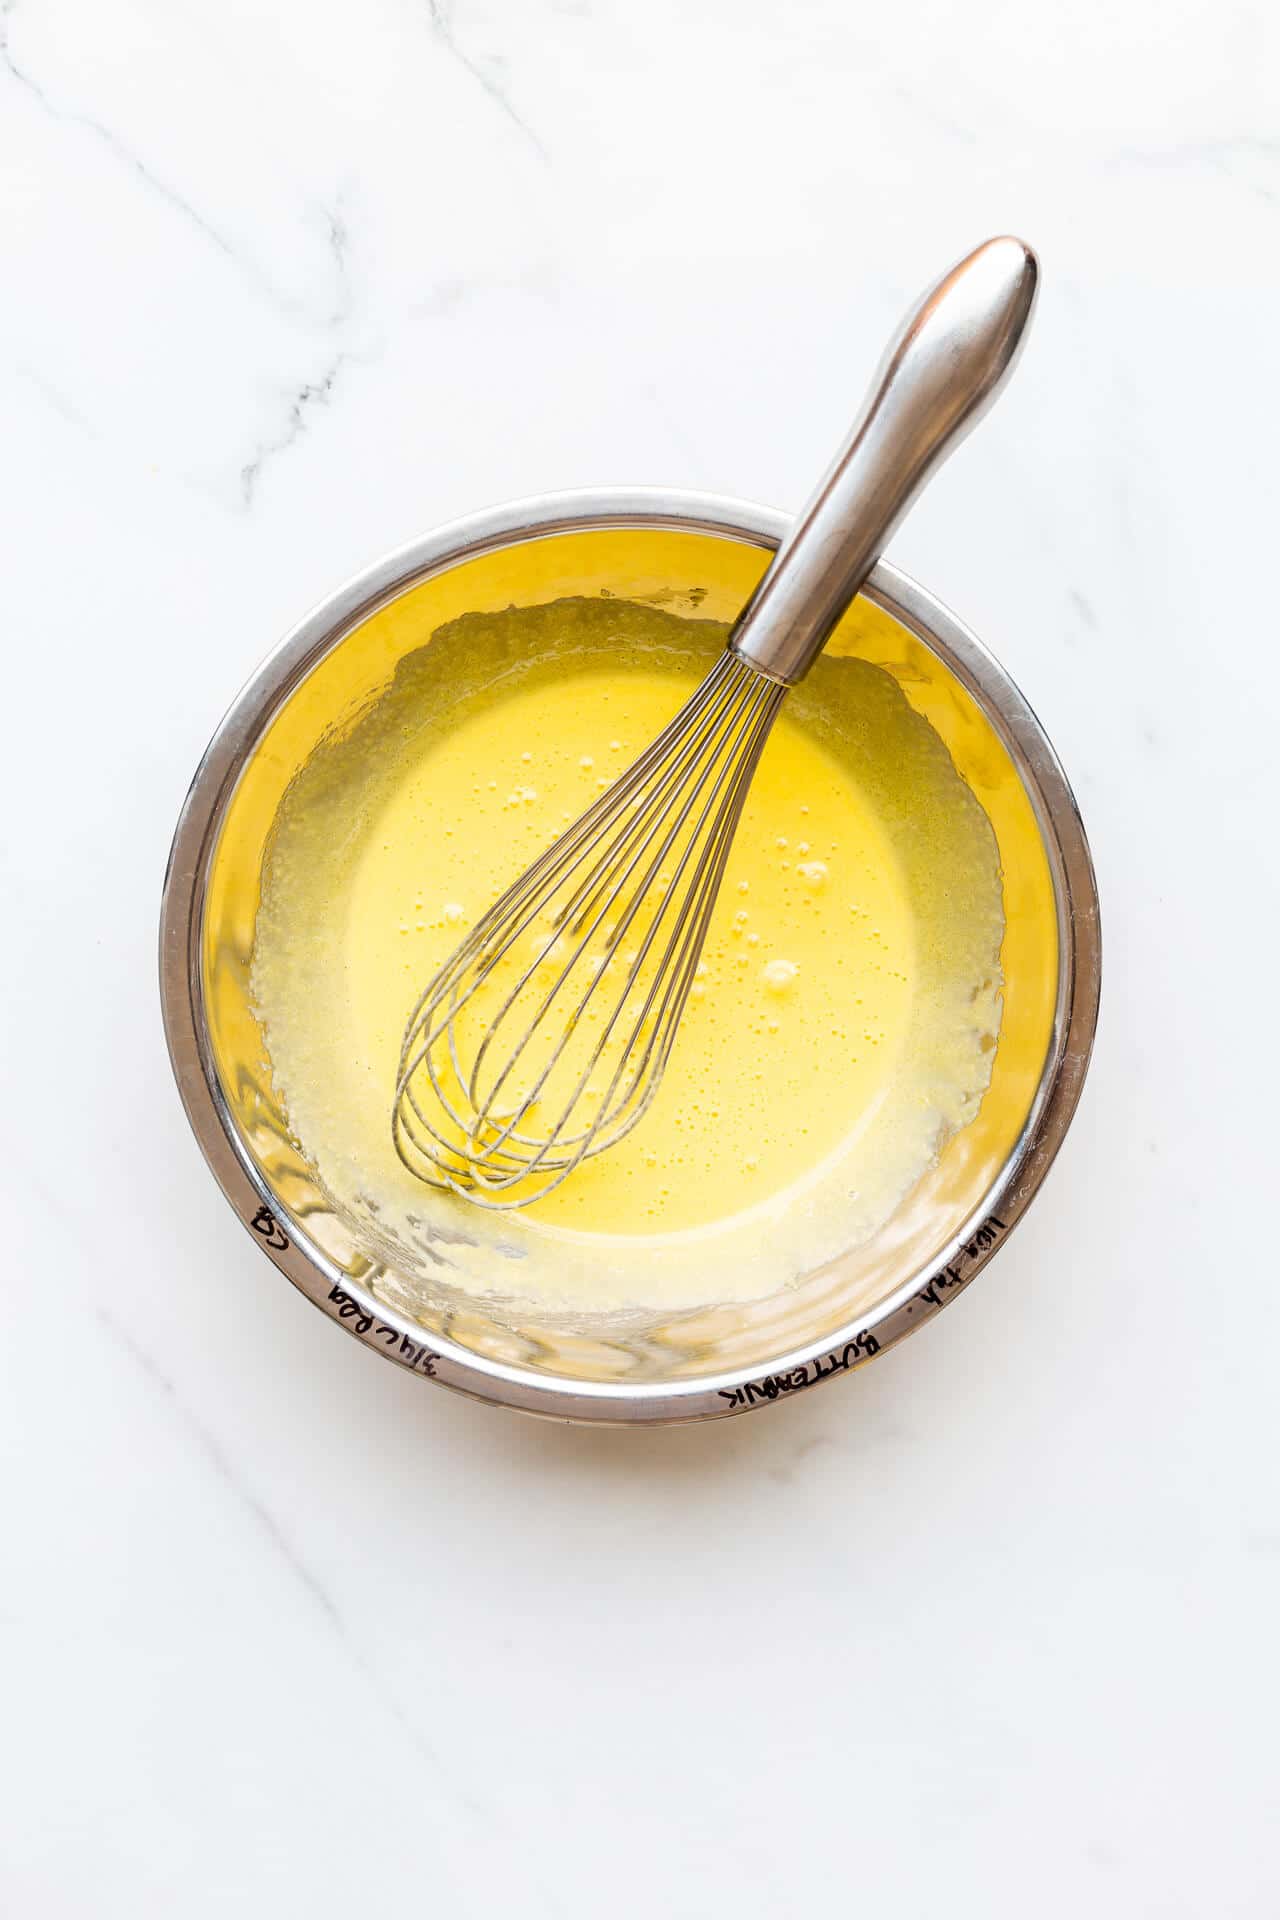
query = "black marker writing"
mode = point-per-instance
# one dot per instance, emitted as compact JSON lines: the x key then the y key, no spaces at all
{"x":774,"y":1385}
{"x":418,"y":1356}
{"x":269,"y":1230}
{"x":950,"y":1276}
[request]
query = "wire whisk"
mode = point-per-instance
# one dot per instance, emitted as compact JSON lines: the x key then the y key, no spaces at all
{"x":543,"y":1039}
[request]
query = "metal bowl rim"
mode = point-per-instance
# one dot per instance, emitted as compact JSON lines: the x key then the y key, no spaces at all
{"x":403,"y":1340}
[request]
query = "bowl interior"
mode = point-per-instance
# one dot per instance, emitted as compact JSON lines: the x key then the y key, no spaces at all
{"x":683,"y":572}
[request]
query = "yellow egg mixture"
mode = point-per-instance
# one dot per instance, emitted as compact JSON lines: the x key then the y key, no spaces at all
{"x":841,"y":1025}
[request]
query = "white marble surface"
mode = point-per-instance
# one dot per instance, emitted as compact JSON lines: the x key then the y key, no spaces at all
{"x":988,"y":1630}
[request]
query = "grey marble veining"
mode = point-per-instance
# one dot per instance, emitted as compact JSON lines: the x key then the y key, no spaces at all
{"x":983,"y":1630}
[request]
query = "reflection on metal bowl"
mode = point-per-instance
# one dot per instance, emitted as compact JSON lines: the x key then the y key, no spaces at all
{"x":681,"y":551}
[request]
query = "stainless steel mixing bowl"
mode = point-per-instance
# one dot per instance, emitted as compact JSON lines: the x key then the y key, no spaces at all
{"x":685,"y":552}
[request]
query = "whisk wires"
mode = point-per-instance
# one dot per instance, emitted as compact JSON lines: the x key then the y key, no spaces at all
{"x":543,"y":1038}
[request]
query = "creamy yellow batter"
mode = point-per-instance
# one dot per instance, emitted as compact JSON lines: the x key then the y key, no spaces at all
{"x":842,"y":1022}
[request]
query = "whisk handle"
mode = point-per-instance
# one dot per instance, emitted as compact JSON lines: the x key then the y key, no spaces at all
{"x":943,"y":370}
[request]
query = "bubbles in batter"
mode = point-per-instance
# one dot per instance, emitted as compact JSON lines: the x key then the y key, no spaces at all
{"x":841,"y":1022}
